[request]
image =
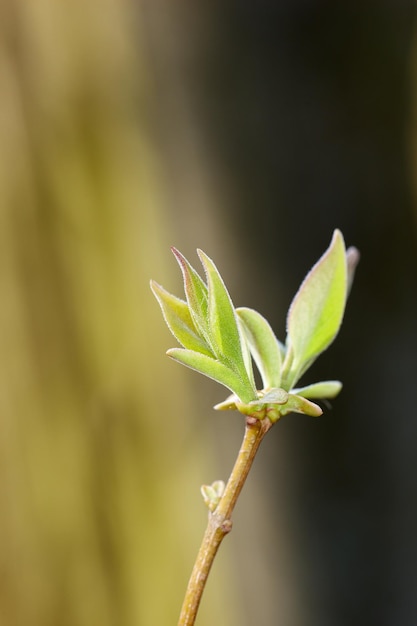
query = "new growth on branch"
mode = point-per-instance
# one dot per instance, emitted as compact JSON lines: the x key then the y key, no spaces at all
{"x":223,"y":342}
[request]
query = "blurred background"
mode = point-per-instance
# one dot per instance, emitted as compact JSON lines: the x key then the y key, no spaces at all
{"x":250,"y":130}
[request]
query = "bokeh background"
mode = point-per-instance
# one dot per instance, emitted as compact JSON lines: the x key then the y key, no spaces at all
{"x":250,"y":130}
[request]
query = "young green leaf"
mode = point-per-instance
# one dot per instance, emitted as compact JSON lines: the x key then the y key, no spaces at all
{"x":247,"y":358}
{"x":275,"y":396}
{"x":178,"y":319}
{"x":316,"y":312}
{"x":197,"y":295}
{"x":326,"y":389}
{"x":227,"y":405}
{"x":214,"y":369}
{"x":263,"y":345}
{"x":298,"y":404}
{"x":212,"y":493}
{"x":224,"y":329}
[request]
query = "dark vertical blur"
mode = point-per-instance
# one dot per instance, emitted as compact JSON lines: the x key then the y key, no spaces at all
{"x":306,"y":111}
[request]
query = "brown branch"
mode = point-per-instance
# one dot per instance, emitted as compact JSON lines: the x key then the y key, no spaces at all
{"x":220,"y":523}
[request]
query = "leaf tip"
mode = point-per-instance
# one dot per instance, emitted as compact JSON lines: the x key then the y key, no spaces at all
{"x":155,"y":287}
{"x":179,"y":257}
{"x":204,"y":258}
{"x":353,"y":257}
